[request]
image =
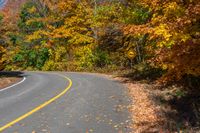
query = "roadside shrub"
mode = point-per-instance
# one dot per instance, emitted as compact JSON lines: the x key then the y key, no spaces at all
{"x":85,"y":57}
{"x":49,"y":66}
{"x":102,"y":58}
{"x":31,"y":58}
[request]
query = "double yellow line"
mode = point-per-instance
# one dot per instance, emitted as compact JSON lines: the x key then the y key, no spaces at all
{"x":39,"y":107}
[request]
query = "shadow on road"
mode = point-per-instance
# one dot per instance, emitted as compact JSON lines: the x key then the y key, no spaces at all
{"x":11,"y":74}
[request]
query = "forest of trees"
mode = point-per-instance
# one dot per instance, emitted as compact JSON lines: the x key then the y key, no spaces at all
{"x":86,"y":35}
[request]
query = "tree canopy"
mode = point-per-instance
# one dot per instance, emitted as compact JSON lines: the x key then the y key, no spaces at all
{"x":85,"y":35}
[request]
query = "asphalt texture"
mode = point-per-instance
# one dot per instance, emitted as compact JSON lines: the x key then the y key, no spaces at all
{"x":94,"y":104}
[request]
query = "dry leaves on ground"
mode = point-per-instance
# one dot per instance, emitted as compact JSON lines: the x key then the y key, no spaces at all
{"x":145,"y":113}
{"x":7,"y":81}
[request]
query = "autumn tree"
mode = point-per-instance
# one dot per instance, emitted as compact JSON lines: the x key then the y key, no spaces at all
{"x":30,"y":52}
{"x":173,"y":32}
{"x":53,"y":28}
{"x":64,"y":29}
{"x":55,"y":34}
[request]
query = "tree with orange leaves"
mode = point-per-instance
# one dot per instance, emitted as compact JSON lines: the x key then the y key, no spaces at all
{"x":173,"y":35}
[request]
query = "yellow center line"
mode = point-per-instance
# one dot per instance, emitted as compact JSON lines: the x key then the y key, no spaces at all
{"x":39,"y":107}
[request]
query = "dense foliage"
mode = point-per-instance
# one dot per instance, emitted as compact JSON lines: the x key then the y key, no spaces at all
{"x":2,"y":45}
{"x":87,"y":35}
{"x":173,"y":35}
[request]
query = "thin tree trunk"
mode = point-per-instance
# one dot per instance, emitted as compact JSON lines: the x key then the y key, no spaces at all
{"x":95,"y":28}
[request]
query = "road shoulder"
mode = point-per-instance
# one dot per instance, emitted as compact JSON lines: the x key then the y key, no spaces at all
{"x":8,"y":81}
{"x":9,"y":78}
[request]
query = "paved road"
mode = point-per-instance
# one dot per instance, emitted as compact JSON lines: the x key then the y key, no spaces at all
{"x":92,"y":104}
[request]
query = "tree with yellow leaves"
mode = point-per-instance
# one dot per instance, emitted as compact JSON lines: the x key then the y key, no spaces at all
{"x":173,"y":35}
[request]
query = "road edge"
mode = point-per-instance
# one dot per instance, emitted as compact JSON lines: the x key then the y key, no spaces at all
{"x":3,"y":89}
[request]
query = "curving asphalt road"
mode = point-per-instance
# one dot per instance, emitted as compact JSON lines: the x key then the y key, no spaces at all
{"x":92,"y":104}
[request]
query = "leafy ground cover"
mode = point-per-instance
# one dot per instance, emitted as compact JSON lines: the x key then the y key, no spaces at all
{"x":7,"y":81}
